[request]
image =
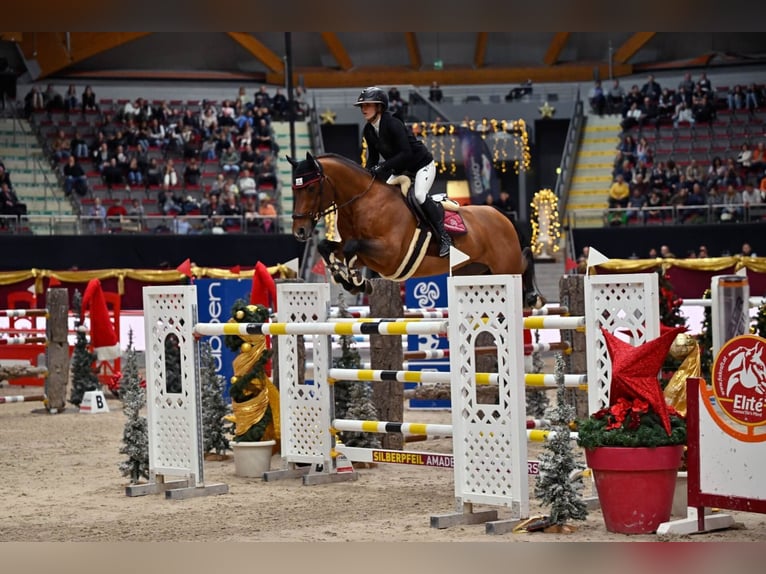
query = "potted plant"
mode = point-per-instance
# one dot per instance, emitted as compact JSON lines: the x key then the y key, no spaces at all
{"x":255,"y":399}
{"x":634,"y":446}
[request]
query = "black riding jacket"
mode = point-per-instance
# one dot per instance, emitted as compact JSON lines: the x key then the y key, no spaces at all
{"x":396,"y":144}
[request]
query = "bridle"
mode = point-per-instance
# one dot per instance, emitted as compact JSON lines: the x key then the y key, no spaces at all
{"x":317,"y":213}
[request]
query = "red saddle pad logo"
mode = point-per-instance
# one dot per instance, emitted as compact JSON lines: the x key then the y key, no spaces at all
{"x":453,"y":222}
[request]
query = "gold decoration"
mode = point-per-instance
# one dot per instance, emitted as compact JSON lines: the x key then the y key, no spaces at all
{"x":251,"y":308}
{"x":239,"y":315}
{"x":675,"y":390}
{"x":234,"y":380}
{"x":245,"y":348}
{"x":682,"y":345}
{"x":547,"y":110}
{"x":328,"y":116}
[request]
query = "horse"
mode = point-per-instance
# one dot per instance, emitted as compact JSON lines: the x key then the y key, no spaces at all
{"x":378,"y":229}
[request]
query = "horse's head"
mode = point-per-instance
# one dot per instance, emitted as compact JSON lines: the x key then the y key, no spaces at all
{"x":308,"y":185}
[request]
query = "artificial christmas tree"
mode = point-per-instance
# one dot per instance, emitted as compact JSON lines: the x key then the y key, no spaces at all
{"x":353,"y":400}
{"x":214,"y":406}
{"x":135,"y":435}
{"x":554,"y":486}
{"x":82,"y":373}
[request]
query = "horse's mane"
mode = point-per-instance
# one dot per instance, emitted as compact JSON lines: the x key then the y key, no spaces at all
{"x":351,"y":164}
{"x":342,"y":159}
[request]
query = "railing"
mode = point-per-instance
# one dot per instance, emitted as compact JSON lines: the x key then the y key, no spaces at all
{"x":148,"y":224}
{"x":669,"y":215}
{"x":569,"y":155}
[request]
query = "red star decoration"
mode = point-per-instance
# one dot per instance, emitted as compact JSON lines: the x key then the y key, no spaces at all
{"x":635,"y":369}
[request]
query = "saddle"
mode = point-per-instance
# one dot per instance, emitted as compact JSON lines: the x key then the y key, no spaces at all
{"x":453,"y":221}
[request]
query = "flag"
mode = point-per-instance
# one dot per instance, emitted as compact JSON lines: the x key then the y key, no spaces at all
{"x":319,"y":267}
{"x":236,"y":270}
{"x":185,"y":268}
{"x":569,"y":265}
{"x":102,"y":334}
{"x":477,"y":162}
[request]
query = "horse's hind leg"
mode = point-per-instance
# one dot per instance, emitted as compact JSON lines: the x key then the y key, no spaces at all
{"x":532,"y":295}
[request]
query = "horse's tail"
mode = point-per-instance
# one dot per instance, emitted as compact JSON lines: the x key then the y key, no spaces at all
{"x":532,"y":295}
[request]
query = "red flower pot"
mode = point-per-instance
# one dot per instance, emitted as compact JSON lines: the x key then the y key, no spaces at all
{"x":635,"y":485}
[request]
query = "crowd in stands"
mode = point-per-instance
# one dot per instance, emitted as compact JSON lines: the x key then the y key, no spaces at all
{"x":9,"y":201}
{"x":698,"y":188}
{"x":206,"y":162}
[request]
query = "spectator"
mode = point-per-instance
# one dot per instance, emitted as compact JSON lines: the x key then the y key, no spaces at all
{"x":247,"y":158}
{"x":53,"y":100}
{"x":704,"y":110}
{"x":300,"y":103}
{"x":136,"y":211}
{"x":153,"y":174}
{"x":657,"y":179}
{"x":71,"y":101}
{"x":227,"y":115}
{"x":33,"y":101}
{"x":704,"y":87}
{"x":632,"y":97}
{"x":61,"y":147}
{"x":97,"y":216}
{"x":635,"y":205}
{"x":231,"y":211}
{"x":683,"y":114}
{"x":651,"y":89}
{"x":615,"y":97}
{"x":262,"y":98}
{"x":78,"y":146}
{"x":169,"y":200}
{"x":246,"y":184}
{"x":619,"y":192}
{"x":633,"y":117}
{"x":693,"y":171}
{"x":74,"y":178}
{"x":396,"y":103}
{"x":643,"y":151}
{"x":131,"y":109}
{"x":169,"y":174}
{"x":263,"y":136}
{"x":435,"y":94}
{"x":192,"y":173}
{"x":654,"y":203}
{"x":735,"y":99}
{"x":628,"y":148}
{"x":230,"y":160}
{"x":279,"y":105}
{"x":134,"y":174}
{"x":702,"y":252}
{"x":504,"y":204}
{"x":752,"y":97}
{"x":597,"y":98}
{"x":666,"y":252}
{"x":112,"y":174}
{"x":209,"y":121}
{"x":267,"y":212}
{"x":89,"y":100}
{"x":744,"y":156}
{"x":751,"y":196}
{"x":716,"y":171}
{"x":686,"y":89}
{"x":666,"y":106}
{"x":747,"y":250}
{"x":733,"y":207}
{"x":9,"y":202}
{"x":758,"y":158}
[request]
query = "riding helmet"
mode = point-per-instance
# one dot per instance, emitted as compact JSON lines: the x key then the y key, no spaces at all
{"x":372,"y":95}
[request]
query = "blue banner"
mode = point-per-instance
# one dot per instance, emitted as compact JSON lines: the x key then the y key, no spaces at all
{"x":424,"y":292}
{"x":215,"y":298}
{"x":479,"y":171}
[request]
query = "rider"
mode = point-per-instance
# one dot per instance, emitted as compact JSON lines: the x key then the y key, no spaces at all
{"x":387,"y":136}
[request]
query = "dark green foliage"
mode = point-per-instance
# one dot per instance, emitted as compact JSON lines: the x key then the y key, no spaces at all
{"x":135,"y":435}
{"x":758,"y":326}
{"x":706,"y":340}
{"x":353,"y":399}
{"x":649,"y":431}
{"x":214,"y":407}
{"x":173,"y":382}
{"x":554,"y":486}
{"x":83,"y":374}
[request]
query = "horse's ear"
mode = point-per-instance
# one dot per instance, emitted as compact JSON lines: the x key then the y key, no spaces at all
{"x":309,"y":157}
{"x":291,"y":160}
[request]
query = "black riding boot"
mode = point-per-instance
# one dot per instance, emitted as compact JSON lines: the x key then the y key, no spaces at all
{"x":435,"y":214}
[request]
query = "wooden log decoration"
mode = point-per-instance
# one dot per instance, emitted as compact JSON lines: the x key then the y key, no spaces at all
{"x":572,"y":296}
{"x":386,"y":353}
{"x":10,"y":372}
{"x":57,"y":302}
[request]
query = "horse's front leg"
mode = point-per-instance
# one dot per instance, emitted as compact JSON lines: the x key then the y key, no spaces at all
{"x":334,"y":255}
{"x":359,"y":283}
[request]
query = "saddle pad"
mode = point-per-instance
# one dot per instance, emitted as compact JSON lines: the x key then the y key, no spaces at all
{"x":453,"y":223}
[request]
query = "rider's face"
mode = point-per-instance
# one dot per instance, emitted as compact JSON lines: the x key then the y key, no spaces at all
{"x":369,"y":111}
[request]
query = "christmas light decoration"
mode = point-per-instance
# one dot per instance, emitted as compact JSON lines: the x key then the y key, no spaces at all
{"x":546,"y":229}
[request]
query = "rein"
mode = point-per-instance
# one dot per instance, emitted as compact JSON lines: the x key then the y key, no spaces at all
{"x":333,"y":207}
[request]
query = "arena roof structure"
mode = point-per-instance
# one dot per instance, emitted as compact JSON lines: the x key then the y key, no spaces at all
{"x":349,"y":59}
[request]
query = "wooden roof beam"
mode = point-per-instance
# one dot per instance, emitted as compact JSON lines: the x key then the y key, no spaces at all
{"x":413,"y":49}
{"x":631,"y":46}
{"x":337,"y":50}
{"x":259,"y":50}
{"x":54,"y":51}
{"x":480,"y":52}
{"x":555,"y":48}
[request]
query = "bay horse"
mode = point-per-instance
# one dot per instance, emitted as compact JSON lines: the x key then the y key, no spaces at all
{"x":378,"y":230}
